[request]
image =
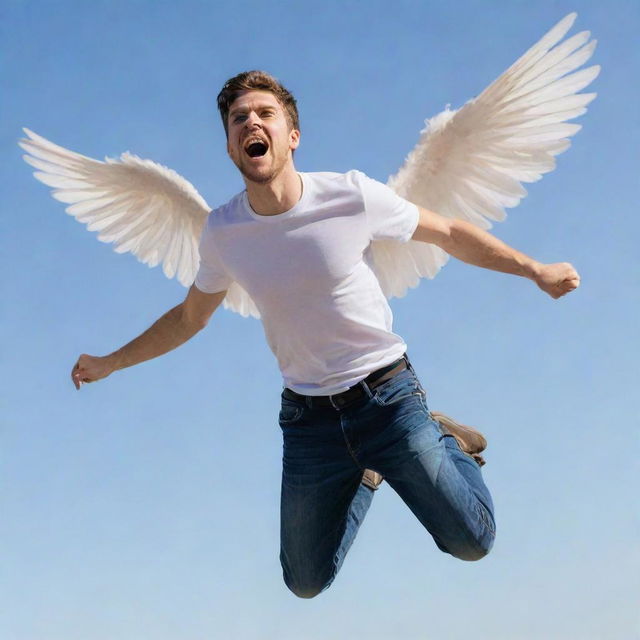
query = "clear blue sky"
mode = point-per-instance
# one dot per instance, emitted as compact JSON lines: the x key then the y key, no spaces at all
{"x":145,"y":507}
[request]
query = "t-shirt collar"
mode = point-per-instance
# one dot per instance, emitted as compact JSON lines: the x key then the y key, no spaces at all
{"x":297,"y":207}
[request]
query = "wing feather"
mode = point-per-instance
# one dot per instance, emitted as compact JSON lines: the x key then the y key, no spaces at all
{"x":123,"y":200}
{"x":141,"y":207}
{"x":471,"y":163}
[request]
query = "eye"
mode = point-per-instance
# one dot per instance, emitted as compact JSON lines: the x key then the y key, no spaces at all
{"x":239,"y":118}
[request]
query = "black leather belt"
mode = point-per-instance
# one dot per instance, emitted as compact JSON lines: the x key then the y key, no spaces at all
{"x":352,"y":394}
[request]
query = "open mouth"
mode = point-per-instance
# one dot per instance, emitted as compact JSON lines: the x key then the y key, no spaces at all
{"x":256,"y":149}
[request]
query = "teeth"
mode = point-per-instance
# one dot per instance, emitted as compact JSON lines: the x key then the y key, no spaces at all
{"x":251,"y":141}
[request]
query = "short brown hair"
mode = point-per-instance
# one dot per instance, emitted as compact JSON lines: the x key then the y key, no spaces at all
{"x":256,"y":81}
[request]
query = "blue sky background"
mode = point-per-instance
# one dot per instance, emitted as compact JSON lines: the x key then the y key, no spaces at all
{"x":146,"y":506}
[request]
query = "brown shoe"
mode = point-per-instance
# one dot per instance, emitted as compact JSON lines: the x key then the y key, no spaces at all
{"x":371,"y":479}
{"x":470,"y":440}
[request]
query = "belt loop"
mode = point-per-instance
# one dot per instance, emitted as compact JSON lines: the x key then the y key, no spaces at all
{"x":366,"y":389}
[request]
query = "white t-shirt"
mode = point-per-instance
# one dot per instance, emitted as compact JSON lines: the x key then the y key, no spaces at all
{"x":308,"y":272}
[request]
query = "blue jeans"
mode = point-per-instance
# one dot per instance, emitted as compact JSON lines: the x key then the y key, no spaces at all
{"x":391,"y":431}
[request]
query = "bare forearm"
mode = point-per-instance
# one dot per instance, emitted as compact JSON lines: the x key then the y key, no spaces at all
{"x":167,"y":333}
{"x":475,"y":246}
{"x":164,"y":335}
{"x":173,"y":329}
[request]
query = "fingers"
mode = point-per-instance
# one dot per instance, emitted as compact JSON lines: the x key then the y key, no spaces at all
{"x":571,"y":276}
{"x":570,"y":283}
{"x":559,"y":279}
{"x":75,"y":375}
{"x":79,"y":374}
{"x":562,"y":288}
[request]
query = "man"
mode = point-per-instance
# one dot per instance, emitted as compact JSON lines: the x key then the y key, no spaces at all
{"x":298,"y":243}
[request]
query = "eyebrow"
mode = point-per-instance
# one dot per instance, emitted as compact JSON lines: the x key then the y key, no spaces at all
{"x":245,"y":108}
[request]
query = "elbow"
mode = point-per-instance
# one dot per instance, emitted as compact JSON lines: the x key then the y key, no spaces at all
{"x":201,"y":323}
{"x":198,"y":323}
{"x":192,"y":322}
{"x":452,"y":236}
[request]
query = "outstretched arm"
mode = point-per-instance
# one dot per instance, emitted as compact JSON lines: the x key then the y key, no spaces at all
{"x":470,"y":244}
{"x":173,"y":329}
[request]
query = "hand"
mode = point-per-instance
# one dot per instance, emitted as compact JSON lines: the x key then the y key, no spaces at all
{"x":91,"y":368}
{"x":557,"y":279}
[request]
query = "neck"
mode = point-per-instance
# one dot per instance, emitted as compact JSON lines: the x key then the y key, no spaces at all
{"x":277,"y":196}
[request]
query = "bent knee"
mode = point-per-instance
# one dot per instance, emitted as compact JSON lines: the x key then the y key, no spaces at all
{"x":305,"y":593}
{"x":306,"y":589}
{"x":475,"y":550}
{"x":469,"y":547}
{"x":473,"y":554}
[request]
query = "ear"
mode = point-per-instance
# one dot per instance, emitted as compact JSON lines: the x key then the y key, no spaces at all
{"x":294,"y":139}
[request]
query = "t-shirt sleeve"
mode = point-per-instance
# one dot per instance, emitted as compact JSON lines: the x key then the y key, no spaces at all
{"x":389,"y":216}
{"x":212,"y":276}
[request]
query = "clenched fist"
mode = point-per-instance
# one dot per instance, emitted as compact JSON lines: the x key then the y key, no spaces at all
{"x":557,"y":279}
{"x":91,"y":368}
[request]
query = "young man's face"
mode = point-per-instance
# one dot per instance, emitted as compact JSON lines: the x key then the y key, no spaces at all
{"x":260,"y":140}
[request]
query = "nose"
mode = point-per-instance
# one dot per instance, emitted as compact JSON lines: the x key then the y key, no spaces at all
{"x":253,"y":119}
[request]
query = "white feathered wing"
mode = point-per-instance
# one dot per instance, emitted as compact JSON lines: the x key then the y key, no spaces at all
{"x":467,"y":164}
{"x":138,"y":205}
{"x":470,"y":163}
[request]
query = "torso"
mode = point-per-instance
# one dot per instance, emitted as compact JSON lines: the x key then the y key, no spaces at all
{"x":308,"y":271}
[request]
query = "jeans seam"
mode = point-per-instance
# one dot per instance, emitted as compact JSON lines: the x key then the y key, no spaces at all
{"x":482,"y":512}
{"x":395,"y":400}
{"x":468,"y":532}
{"x":350,"y":449}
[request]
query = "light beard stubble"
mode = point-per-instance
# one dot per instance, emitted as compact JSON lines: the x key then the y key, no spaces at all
{"x":266,"y":179}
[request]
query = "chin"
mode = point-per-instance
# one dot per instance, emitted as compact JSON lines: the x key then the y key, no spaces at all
{"x":258,"y":177}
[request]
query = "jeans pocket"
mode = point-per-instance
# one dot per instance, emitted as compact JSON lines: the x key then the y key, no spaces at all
{"x":401,"y":386}
{"x":289,"y":413}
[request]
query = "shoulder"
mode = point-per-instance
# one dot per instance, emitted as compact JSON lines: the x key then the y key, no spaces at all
{"x":334,"y":178}
{"x":329,"y":182}
{"x":228,"y":212}
{"x":353,"y":179}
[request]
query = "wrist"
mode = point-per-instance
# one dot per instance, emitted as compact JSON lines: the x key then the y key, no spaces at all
{"x":532,"y":269}
{"x":115,"y":361}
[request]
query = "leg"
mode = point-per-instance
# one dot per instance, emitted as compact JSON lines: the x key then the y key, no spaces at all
{"x":444,"y":489}
{"x":440,"y":484}
{"x":323,"y":502}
